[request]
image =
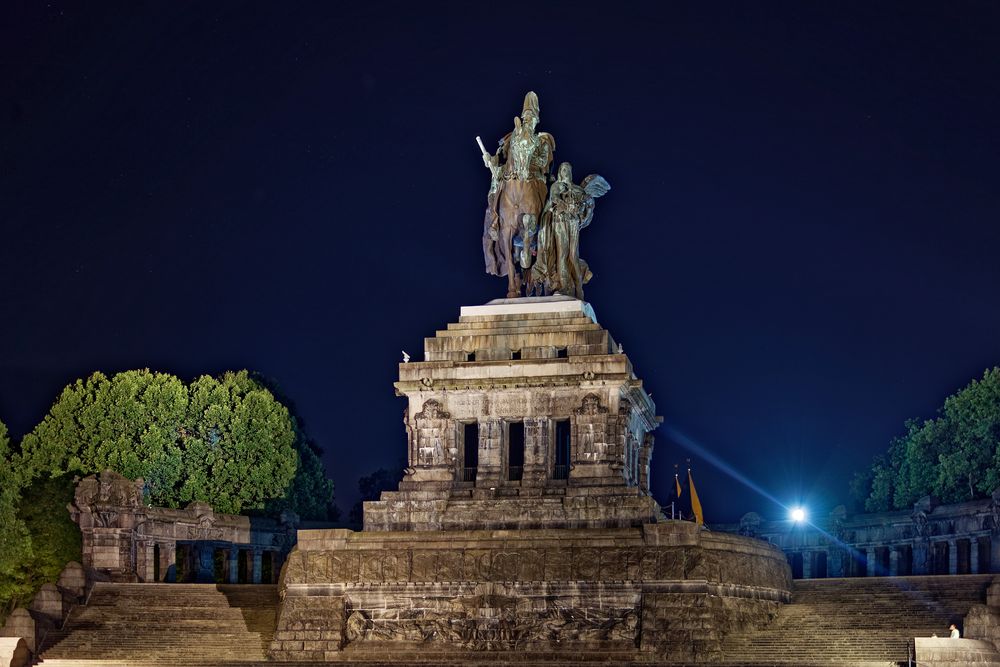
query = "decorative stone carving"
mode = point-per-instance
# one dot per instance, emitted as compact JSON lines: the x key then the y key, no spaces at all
{"x":433,"y":410}
{"x":591,"y":405}
{"x":750,"y":524}
{"x":121,"y":534}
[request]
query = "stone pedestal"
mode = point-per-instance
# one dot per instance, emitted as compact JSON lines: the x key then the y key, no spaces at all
{"x":20,"y":624}
{"x":73,"y":580}
{"x":48,"y":602}
{"x":524,"y":365}
{"x":670,"y":589}
{"x":541,"y":537}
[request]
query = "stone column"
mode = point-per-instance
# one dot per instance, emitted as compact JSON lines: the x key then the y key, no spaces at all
{"x":233,"y":565}
{"x":168,"y":561}
{"x":893,"y":561}
{"x":920,"y":556}
{"x":974,"y":555}
{"x":143,"y":561}
{"x":277,"y":564}
{"x":490,"y":442}
{"x":870,"y":564}
{"x":258,"y":565}
{"x":952,"y":556}
{"x":204,"y":563}
{"x":536,"y":450}
{"x":994,"y":552}
{"x":807,"y":557}
{"x":835,"y":563}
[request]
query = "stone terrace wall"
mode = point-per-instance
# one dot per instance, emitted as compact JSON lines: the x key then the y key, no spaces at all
{"x":664,"y":590}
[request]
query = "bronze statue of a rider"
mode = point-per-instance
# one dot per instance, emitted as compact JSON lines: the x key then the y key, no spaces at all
{"x":520,"y":168}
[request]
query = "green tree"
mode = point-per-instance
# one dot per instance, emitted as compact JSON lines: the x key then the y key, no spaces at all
{"x":371,"y":487}
{"x":15,"y":545}
{"x":128,"y":423}
{"x":310,"y":493}
{"x":225,"y":441}
{"x":238,"y":444}
{"x":51,"y":540}
{"x":955,"y":456}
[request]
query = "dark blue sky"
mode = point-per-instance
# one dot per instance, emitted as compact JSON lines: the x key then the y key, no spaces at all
{"x":799,"y":251}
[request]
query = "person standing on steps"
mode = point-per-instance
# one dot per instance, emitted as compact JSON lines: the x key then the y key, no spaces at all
{"x":955,"y":634}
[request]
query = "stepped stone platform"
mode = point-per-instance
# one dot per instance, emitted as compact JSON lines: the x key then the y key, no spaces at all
{"x":524,"y":522}
{"x":167,"y":624}
{"x":857,"y":620}
{"x":866,"y":622}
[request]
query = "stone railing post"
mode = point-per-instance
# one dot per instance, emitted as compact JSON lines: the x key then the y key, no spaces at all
{"x":258,"y":565}
{"x":233,"y":562}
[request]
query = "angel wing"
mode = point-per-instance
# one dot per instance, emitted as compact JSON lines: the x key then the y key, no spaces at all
{"x":595,"y":185}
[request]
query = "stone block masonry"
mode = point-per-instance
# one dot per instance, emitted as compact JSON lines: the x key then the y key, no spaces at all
{"x":524,"y":525}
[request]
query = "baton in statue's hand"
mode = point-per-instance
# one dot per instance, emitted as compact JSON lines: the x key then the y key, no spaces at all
{"x":487,"y":158}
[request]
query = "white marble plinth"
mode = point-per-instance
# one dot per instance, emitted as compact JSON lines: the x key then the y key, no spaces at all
{"x":532,"y":304}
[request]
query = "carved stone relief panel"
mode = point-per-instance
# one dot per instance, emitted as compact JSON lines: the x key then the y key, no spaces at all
{"x":493,"y":617}
{"x":435,"y":435}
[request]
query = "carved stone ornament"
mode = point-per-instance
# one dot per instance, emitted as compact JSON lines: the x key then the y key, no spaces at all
{"x":106,"y":496}
{"x":433,"y":410}
{"x":492,"y":623}
{"x":591,"y":405}
{"x":750,"y":524}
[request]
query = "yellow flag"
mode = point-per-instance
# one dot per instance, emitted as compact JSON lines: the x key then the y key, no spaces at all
{"x":695,"y":503}
{"x":678,"y":483}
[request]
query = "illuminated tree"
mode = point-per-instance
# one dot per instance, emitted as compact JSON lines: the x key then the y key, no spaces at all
{"x":225,"y":441}
{"x":955,"y":456}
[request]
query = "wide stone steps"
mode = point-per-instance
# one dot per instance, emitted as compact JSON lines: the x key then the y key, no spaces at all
{"x":866,"y":622}
{"x":166,"y":624}
{"x":852,"y":621}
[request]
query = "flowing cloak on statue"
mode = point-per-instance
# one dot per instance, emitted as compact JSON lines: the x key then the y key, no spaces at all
{"x":511,"y":197}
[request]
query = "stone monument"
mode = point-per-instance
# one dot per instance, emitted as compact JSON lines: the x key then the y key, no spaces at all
{"x":524,"y":520}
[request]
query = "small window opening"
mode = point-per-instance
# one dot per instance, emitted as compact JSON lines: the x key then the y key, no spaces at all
{"x":561,"y":470}
{"x":561,"y":353}
{"x":515,"y":355}
{"x":470,"y":452}
{"x":515,"y":451}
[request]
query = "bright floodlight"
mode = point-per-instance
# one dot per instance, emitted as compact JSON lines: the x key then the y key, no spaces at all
{"x":798,"y":515}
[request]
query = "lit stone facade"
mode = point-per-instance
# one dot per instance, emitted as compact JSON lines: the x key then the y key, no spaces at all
{"x":127,"y":540}
{"x":524,"y":414}
{"x":959,"y":538}
{"x":524,"y":520}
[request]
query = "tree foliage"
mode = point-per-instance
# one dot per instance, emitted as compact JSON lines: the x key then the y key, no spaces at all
{"x":371,"y":487}
{"x":955,"y":456}
{"x":49,"y":541}
{"x":15,"y":546}
{"x":225,"y":441}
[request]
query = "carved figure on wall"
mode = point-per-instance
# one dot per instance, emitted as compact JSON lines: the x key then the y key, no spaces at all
{"x":492,"y":625}
{"x":920,"y":523}
{"x":591,"y":405}
{"x":106,"y":496}
{"x":750,"y":524}
{"x":569,"y":209}
{"x":520,"y":174}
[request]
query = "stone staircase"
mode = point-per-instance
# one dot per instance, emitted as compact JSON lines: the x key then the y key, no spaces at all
{"x":858,"y":621}
{"x":166,"y":624}
{"x":866,"y":622}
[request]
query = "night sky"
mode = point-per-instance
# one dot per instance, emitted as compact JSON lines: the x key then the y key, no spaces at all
{"x":799,"y":251}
